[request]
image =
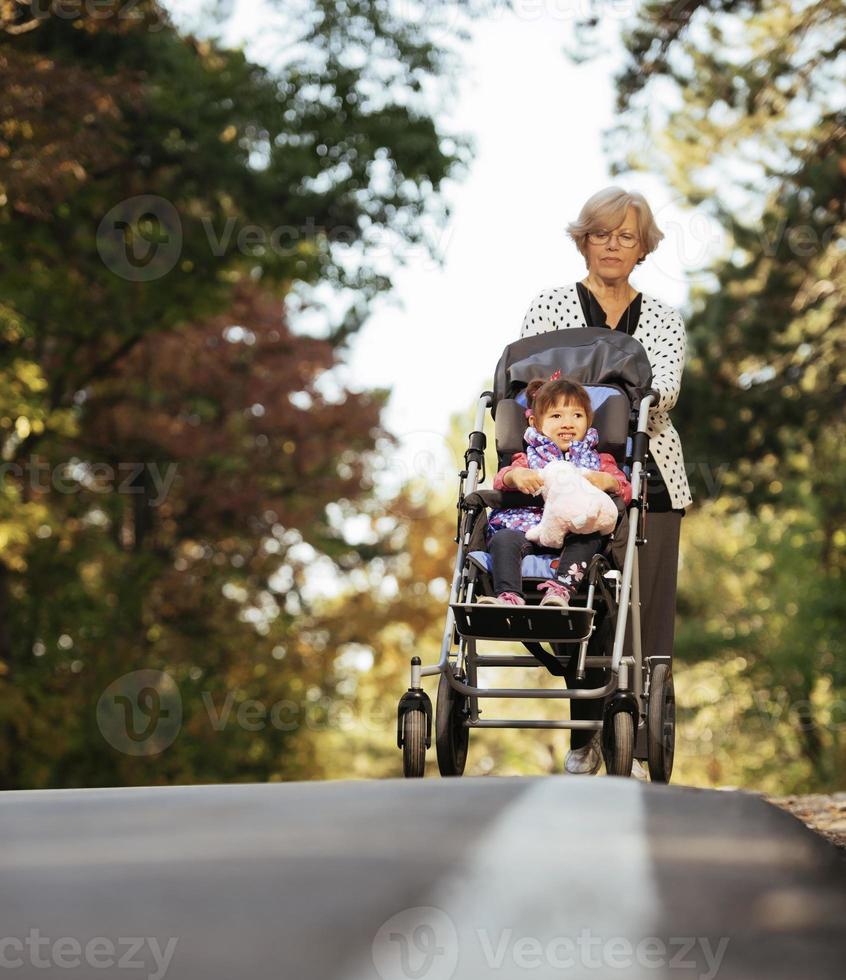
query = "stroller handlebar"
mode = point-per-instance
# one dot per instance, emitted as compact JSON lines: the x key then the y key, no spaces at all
{"x":650,"y":393}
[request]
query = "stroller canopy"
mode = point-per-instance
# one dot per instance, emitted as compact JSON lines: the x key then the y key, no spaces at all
{"x":591,"y":356}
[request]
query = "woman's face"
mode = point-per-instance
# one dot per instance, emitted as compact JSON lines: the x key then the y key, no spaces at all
{"x":611,"y":261}
{"x":563,"y":423}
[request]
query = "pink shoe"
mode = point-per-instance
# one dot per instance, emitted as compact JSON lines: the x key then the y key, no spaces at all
{"x":557,"y":594}
{"x":511,"y":599}
{"x":503,"y":599}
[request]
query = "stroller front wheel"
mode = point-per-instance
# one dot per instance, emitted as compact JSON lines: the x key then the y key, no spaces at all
{"x":414,"y":744}
{"x":618,"y":743}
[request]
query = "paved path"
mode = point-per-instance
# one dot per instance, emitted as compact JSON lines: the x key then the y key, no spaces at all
{"x":565,"y":877}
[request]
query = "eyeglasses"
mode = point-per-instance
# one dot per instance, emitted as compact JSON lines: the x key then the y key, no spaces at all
{"x":625,"y":238}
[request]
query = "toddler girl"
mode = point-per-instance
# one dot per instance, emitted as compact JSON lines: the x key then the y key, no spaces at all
{"x":560,"y":416}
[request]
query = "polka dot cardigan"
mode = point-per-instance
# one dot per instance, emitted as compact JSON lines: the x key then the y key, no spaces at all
{"x":661,"y":331}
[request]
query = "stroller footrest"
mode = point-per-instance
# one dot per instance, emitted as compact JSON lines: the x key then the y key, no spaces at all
{"x":548,"y":624}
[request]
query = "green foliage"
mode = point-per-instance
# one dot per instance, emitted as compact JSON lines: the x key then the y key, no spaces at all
{"x":171,"y":446}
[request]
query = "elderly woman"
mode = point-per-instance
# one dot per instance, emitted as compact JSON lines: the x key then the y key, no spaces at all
{"x":615,"y":232}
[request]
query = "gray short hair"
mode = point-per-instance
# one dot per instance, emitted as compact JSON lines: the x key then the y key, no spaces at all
{"x":606,"y":209}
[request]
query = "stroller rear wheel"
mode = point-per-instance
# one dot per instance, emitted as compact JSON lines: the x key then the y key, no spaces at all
{"x":618,"y":743}
{"x":661,"y":724}
{"x":451,"y":734}
{"x":414,"y":744}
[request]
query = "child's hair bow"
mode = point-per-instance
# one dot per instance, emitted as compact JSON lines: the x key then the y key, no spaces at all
{"x":555,"y":376}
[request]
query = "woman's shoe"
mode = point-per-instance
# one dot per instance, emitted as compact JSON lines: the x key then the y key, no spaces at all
{"x":557,"y":594}
{"x":503,"y":599}
{"x":585,"y":761}
{"x":638,"y":772}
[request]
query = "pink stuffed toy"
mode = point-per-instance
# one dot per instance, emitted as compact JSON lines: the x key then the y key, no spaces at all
{"x":572,"y":503}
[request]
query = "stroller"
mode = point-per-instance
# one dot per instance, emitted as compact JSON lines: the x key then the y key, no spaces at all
{"x":636,"y":692}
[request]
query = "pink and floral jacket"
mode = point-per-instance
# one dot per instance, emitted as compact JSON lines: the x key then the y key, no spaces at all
{"x":523,"y":518}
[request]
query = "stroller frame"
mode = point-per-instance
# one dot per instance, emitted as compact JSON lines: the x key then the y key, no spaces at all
{"x":631,"y":726}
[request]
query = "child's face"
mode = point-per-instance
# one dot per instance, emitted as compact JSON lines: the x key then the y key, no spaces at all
{"x":563,"y":423}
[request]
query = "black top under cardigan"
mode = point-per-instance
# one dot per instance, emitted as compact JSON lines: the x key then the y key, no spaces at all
{"x":657,"y":495}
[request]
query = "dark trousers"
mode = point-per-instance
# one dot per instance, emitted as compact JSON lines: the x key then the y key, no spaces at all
{"x":508,"y":548}
{"x":659,"y":565}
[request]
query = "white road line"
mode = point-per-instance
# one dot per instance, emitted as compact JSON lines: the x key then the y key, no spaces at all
{"x":560,"y":885}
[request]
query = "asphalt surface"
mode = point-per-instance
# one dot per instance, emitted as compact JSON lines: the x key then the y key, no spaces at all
{"x":484,"y":877}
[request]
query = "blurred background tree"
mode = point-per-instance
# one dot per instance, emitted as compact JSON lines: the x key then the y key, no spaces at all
{"x":145,"y":320}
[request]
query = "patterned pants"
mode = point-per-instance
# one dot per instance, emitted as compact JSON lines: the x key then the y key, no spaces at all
{"x":508,"y":548}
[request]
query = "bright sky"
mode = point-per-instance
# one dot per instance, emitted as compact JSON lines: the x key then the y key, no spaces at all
{"x":537,"y":121}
